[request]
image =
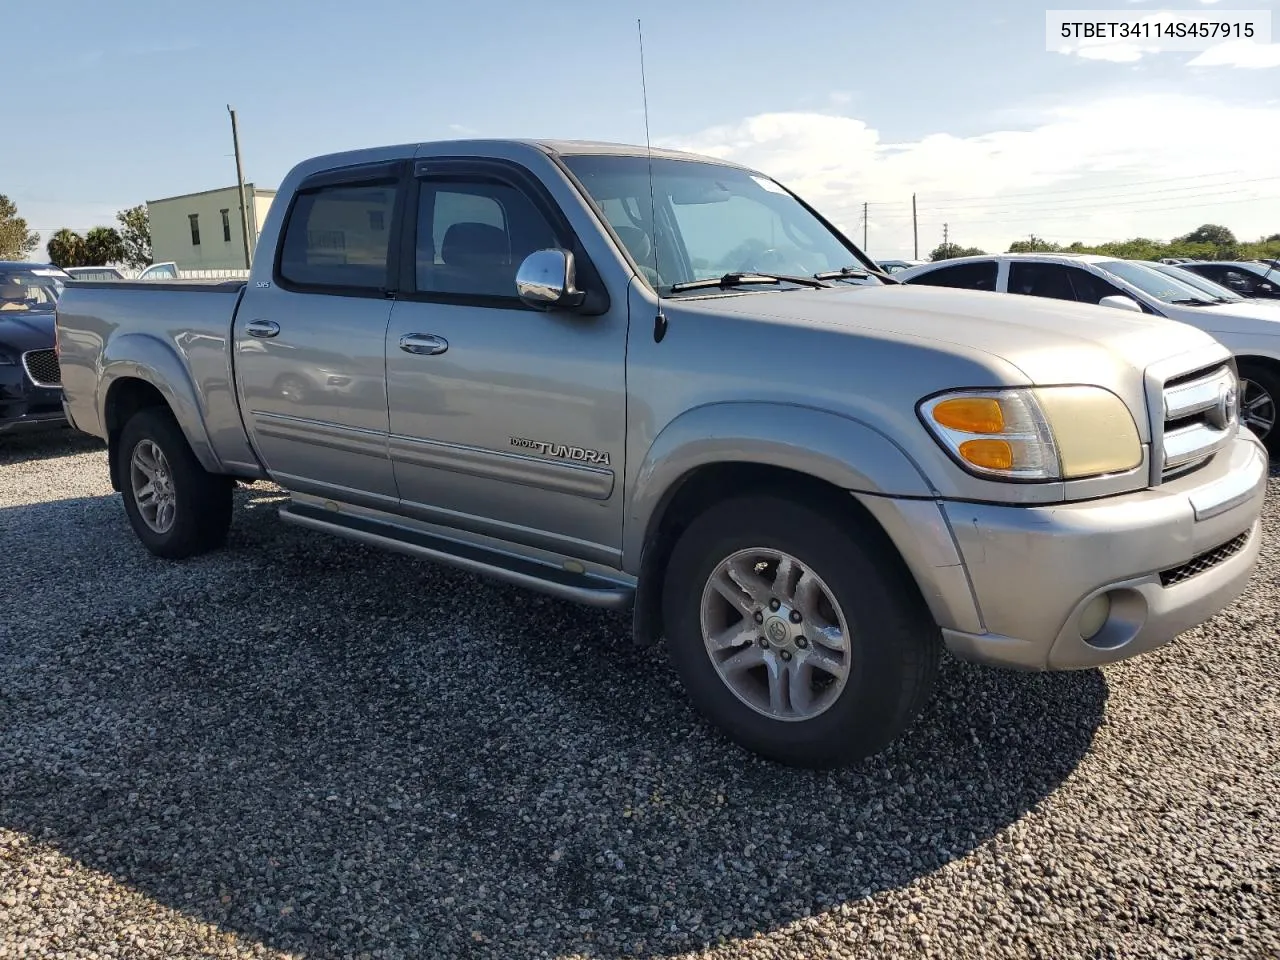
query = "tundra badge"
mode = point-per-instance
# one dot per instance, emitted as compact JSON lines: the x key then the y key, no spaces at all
{"x":581,"y":454}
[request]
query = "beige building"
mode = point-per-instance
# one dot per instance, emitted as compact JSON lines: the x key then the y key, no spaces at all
{"x":201,"y":231}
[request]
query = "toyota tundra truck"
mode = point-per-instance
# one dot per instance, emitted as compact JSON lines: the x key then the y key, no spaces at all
{"x":660,"y":383}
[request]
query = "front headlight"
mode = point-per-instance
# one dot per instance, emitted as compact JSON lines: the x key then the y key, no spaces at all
{"x":7,"y":359}
{"x":1035,"y":433}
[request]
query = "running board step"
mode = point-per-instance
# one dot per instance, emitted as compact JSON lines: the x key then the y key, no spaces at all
{"x":521,"y":571}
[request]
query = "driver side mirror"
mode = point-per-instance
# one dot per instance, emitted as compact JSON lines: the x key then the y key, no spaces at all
{"x":546,"y":279}
{"x":1120,"y":303}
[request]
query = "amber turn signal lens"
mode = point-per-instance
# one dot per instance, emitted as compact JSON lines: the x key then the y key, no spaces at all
{"x":988,"y":454}
{"x":970,"y":414}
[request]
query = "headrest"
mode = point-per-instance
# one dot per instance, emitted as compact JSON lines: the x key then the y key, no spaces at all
{"x":474,"y":243}
{"x":637,"y":243}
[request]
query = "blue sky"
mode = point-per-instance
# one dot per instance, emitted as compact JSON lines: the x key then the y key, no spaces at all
{"x":847,"y":102}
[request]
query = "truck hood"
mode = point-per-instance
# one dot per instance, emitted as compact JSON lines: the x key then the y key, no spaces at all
{"x":21,"y":331}
{"x":1050,"y":341}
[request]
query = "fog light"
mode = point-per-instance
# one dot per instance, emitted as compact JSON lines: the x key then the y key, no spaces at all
{"x":1094,"y":616}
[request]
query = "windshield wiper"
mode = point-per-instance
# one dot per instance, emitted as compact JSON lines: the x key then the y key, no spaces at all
{"x":745,"y":279}
{"x":855,"y":273}
{"x":1194,"y":302}
{"x":852,"y":273}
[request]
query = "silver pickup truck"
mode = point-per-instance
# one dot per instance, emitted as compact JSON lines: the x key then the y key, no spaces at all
{"x":664,"y":383}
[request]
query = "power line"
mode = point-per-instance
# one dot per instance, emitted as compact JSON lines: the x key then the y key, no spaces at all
{"x":1088,"y":214}
{"x":1140,"y":205}
{"x":1117,"y":199}
{"x":1076,"y":190}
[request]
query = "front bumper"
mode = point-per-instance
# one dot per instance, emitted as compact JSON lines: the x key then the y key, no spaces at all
{"x":1009,"y":585}
{"x":25,"y":406}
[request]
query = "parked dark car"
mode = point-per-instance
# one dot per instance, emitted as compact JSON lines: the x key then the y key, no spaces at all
{"x":30,"y":379}
{"x":1245,"y":277}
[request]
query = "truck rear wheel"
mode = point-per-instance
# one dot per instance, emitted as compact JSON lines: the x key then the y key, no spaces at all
{"x":795,"y":634}
{"x":176,"y":507}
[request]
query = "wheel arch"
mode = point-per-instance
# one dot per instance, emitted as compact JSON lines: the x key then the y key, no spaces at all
{"x":705,"y":485}
{"x":141,"y":371}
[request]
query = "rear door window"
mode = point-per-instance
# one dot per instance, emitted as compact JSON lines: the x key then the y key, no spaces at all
{"x":338,"y":238}
{"x":1050,"y":280}
{"x":963,"y":276}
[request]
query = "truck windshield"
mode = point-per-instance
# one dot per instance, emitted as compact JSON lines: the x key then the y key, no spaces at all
{"x":712,"y":220}
{"x":28,"y":290}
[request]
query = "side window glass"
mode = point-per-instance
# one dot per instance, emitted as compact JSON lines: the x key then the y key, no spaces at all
{"x":1091,"y":288}
{"x":1237,"y":280}
{"x":1040,"y":280}
{"x":339,"y":237}
{"x":473,"y":236}
{"x":965,"y":276}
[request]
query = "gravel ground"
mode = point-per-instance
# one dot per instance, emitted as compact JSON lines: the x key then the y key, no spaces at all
{"x":301,"y":747}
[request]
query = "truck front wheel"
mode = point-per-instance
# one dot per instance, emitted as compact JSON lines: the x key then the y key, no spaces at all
{"x":1259,"y":394}
{"x":176,"y":507}
{"x":794,"y":633}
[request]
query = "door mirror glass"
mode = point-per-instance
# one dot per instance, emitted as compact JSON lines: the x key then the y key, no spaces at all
{"x":546,"y":280}
{"x":1120,"y":303}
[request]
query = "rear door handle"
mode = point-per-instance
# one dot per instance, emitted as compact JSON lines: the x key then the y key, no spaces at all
{"x":262,"y":328}
{"x":423,"y":343}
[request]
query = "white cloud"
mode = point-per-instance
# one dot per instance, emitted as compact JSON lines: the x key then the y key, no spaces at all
{"x":1070,"y":175}
{"x":1239,"y":53}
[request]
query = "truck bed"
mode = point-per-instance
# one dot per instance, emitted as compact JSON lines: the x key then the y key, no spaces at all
{"x":181,"y":326}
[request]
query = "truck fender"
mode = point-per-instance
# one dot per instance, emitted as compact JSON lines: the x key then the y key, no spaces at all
{"x":847,"y":453}
{"x":148,"y":358}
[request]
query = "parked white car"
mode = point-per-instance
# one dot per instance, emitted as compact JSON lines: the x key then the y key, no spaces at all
{"x":94,"y":273}
{"x":896,"y":266}
{"x":1250,"y":329}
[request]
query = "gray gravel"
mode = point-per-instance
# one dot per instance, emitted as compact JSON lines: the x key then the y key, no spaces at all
{"x":300,"y":747}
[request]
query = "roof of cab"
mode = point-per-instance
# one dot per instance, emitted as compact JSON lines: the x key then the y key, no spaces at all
{"x":569,"y":148}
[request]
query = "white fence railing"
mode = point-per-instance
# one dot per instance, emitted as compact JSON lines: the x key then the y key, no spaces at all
{"x":201,"y":273}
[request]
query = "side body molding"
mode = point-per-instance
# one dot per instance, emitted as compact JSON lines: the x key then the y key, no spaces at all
{"x":151,"y":359}
{"x":841,"y":450}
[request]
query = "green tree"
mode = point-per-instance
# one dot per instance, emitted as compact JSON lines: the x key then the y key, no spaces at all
{"x":67,"y":249}
{"x":946,"y":251}
{"x":1212,"y":233}
{"x":16,"y":240}
{"x":102,"y":245}
{"x":1033,"y":244}
{"x":135,"y":234}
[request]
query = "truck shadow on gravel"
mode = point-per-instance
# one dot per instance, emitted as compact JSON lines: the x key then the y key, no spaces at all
{"x":45,"y":445}
{"x":330,"y":750}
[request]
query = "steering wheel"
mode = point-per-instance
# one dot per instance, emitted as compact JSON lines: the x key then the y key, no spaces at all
{"x":773,"y":260}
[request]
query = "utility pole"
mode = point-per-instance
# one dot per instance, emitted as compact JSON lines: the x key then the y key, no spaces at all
{"x":244,"y":206}
{"x":915,"y":230}
{"x":864,"y":226}
{"x":944,"y":234}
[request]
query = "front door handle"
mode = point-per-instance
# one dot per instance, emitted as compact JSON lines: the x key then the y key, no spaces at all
{"x":262,"y":328}
{"x":423,"y":343}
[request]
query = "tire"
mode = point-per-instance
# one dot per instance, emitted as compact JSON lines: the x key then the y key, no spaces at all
{"x":1255,"y":379}
{"x":201,"y":501}
{"x":893,"y":646}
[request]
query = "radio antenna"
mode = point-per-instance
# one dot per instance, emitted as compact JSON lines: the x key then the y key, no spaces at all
{"x":660,"y":321}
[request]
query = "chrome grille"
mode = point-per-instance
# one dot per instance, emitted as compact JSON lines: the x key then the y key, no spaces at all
{"x":42,"y":367}
{"x":1205,"y":561}
{"x":1201,"y":414}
